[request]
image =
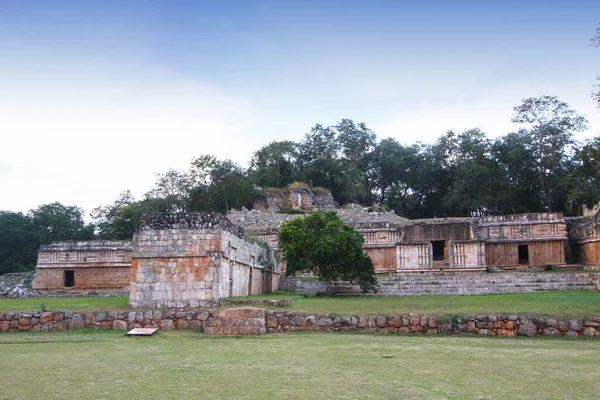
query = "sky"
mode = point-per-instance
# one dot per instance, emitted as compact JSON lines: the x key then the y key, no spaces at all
{"x":96,"y":97}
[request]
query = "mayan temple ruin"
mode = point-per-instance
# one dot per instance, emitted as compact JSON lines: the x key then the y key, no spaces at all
{"x":194,"y":259}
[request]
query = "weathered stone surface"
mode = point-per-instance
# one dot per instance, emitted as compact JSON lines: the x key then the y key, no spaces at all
{"x":166,"y":324}
{"x":119,"y":325}
{"x":576,"y":324}
{"x":551,"y":331}
{"x":589,"y":331}
{"x":76,"y":322}
{"x":527,"y":327}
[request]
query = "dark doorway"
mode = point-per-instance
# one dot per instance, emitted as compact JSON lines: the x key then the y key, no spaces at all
{"x":69,"y":278}
{"x":438,"y":247}
{"x":524,"y":254}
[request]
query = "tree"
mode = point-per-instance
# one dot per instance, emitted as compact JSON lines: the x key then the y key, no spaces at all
{"x":338,"y":157}
{"x":55,"y":221}
{"x":551,"y":124}
{"x":322,"y":244}
{"x":274,"y":165}
{"x":583,"y":181}
{"x":519,"y":188}
{"x":121,"y":219}
{"x":18,"y":242}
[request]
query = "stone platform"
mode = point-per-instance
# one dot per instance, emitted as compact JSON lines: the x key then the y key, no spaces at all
{"x":237,"y":321}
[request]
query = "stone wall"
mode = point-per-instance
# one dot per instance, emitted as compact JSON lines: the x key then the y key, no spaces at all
{"x":91,"y":265}
{"x":256,"y":321}
{"x":490,"y":325}
{"x":192,"y":260}
{"x":453,"y":284}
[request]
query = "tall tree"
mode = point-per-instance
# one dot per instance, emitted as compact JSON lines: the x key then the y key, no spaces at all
{"x":19,"y":242}
{"x":519,"y":187}
{"x":55,"y":221}
{"x":274,"y":165}
{"x":393,"y":165}
{"x":120,"y":220}
{"x":551,"y":124}
{"x":338,"y":157}
{"x":583,"y":180}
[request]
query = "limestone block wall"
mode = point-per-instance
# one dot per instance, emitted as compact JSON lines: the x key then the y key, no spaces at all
{"x":92,"y":278}
{"x":413,"y":256}
{"x":185,"y":265}
{"x":467,"y":254}
{"x":83,"y":265}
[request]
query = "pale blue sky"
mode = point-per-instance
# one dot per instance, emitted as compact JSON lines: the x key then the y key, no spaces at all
{"x":97,"y":96}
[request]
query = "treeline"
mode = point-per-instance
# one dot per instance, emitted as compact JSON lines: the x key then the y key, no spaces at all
{"x":539,"y":167}
{"x":22,"y":234}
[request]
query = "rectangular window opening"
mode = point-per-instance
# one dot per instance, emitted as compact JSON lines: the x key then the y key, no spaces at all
{"x":69,"y":278}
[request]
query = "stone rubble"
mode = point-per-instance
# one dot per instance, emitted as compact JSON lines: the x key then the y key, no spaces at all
{"x":17,"y":284}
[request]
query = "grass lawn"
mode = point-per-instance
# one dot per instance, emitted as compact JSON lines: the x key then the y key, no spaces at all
{"x":88,"y":303}
{"x":188,"y":365}
{"x":550,"y":304}
{"x":576,"y":304}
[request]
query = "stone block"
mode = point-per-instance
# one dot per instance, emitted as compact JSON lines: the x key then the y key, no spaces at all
{"x":46,"y":317}
{"x":182,"y":324}
{"x":76,"y":322}
{"x":166,"y":324}
{"x":119,"y":325}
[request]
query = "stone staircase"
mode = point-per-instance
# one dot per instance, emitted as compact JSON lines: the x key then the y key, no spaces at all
{"x":469,"y":284}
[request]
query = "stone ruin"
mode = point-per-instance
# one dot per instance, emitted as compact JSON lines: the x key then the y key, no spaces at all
{"x":193,"y":259}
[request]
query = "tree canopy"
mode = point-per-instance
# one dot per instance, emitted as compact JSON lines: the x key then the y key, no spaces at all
{"x":323,"y":244}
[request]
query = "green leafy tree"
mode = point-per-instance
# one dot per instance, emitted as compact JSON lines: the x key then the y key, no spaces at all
{"x":551,"y":124}
{"x":393,"y":165}
{"x":322,"y":244}
{"x":338,"y":157}
{"x":19,"y":242}
{"x":120,"y":220}
{"x":583,"y":181}
{"x":55,"y":221}
{"x":519,"y":188}
{"x":274,"y":165}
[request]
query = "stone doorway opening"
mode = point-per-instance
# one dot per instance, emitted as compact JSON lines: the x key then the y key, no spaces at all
{"x":523,"y":254}
{"x":69,"y":280}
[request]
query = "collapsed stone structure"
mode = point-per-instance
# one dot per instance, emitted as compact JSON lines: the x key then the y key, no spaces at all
{"x":192,"y":259}
{"x":180,"y":260}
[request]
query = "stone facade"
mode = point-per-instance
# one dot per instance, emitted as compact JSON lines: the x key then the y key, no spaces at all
{"x":584,"y":239}
{"x":83,"y":266}
{"x":193,"y":259}
{"x":253,"y":321}
{"x":524,"y":240}
{"x":398,"y":245}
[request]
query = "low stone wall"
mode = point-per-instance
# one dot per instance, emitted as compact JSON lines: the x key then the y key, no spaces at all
{"x":489,"y":325}
{"x":252,"y":321}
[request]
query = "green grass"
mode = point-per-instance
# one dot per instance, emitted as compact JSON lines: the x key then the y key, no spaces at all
{"x":576,"y":304}
{"x":88,"y":303}
{"x":186,"y":365}
{"x":277,"y":295}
